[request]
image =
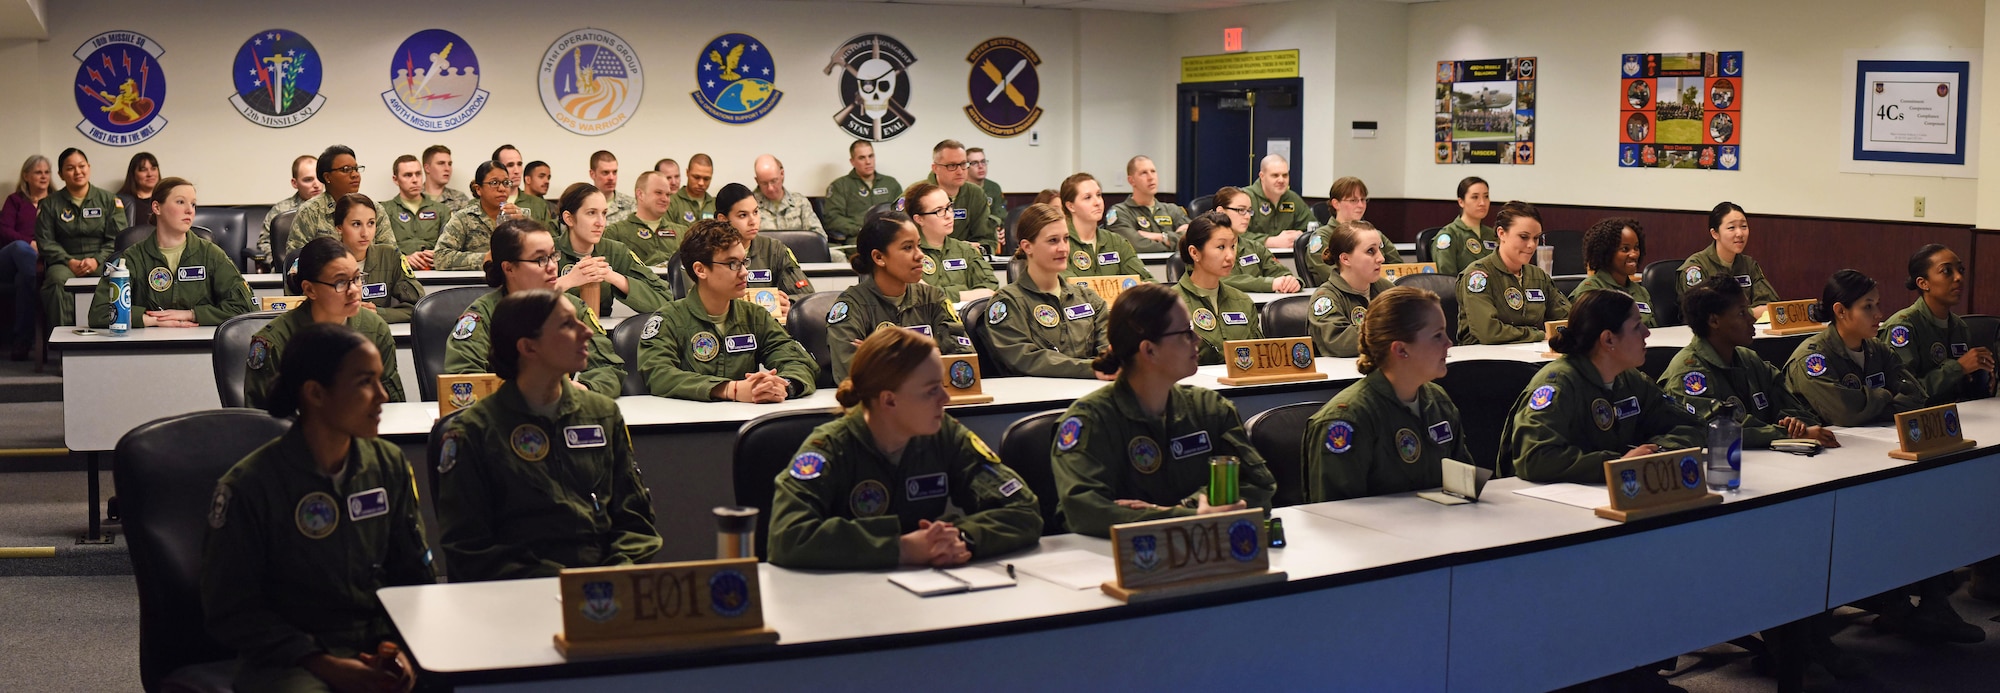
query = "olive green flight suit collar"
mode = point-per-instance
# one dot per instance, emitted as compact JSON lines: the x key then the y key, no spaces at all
{"x":1339,"y":283}
{"x":898,"y":304}
{"x":510,"y":400}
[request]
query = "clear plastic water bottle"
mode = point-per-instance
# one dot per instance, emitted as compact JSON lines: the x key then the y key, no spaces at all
{"x":1725,"y":449}
{"x":121,"y":316}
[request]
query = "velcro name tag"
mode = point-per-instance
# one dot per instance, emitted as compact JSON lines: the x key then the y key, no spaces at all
{"x":427,"y":215}
{"x":1247,"y":260}
{"x":1189,"y":445}
{"x":957,"y":214}
{"x":192,"y":273}
{"x":1110,"y":258}
{"x":925,"y":330}
{"x":954,"y":264}
{"x":1537,"y":296}
{"x":1628,"y":407}
{"x":1235,"y":319}
{"x":760,"y":276}
{"x":739,"y":343}
{"x":1878,"y":380}
{"x":374,"y":291}
{"x":1079,"y":311}
{"x":927,"y":486}
{"x":591,"y":436}
{"x":93,"y":213}
{"x":1743,"y":280}
{"x":373,"y":502}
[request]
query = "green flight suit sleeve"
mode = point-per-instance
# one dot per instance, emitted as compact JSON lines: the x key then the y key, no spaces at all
{"x":606,"y":373}
{"x":236,"y":609}
{"x":467,"y":516}
{"x":468,"y":355}
{"x":1085,"y":480}
{"x":47,"y":245}
{"x":790,"y":278}
{"x":1014,"y":346}
{"x":659,"y":361}
{"x":841,"y":337}
{"x":1332,"y":476}
{"x":1333,"y":332}
{"x":404,"y":291}
{"x":785,"y":355}
{"x":1943,"y":379}
{"x":228,"y":294}
{"x":257,"y":382}
{"x":407,"y":560}
{"x":951,"y":336}
{"x":982,"y":273}
{"x":392,"y":380}
{"x":841,"y":220}
{"x":806,"y":531}
{"x":1479,"y":318}
{"x":1540,"y":440}
{"x":645,"y":291}
{"x":634,"y":536}
{"x":982,"y":230}
{"x":1128,"y":260}
{"x":1001,"y":514}
{"x":1850,"y":406}
{"x":1672,"y":427}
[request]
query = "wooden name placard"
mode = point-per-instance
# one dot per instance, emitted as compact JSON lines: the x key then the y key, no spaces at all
{"x":961,"y":379}
{"x":1408,"y":268}
{"x":1108,"y":288}
{"x":1189,"y":555}
{"x":768,"y":298}
{"x":661,"y":607}
{"x":1276,"y":360}
{"x":277,"y":302}
{"x":1550,"y":329}
{"x":1658,"y":484}
{"x":1790,"y":317}
{"x":459,"y":391}
{"x":1927,"y":433}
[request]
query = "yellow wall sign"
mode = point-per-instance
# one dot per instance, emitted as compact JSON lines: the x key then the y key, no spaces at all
{"x":1230,"y":67}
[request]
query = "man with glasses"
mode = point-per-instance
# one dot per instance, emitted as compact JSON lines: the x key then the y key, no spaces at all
{"x":777,"y":208}
{"x":849,"y":197}
{"x":337,"y":169}
{"x":530,"y":204}
{"x":1151,"y":225}
{"x":1349,"y":199}
{"x":305,"y":187}
{"x":604,"y":173}
{"x":437,"y":179}
{"x":1278,"y":216}
{"x":976,"y":165}
{"x":418,"y":219}
{"x":692,"y":202}
{"x":712,"y":345}
{"x":971,"y":209}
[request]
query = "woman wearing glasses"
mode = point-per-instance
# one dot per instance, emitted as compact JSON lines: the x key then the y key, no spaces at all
{"x":1218,"y":311}
{"x":1041,"y":325}
{"x":394,"y":293}
{"x":891,"y":293}
{"x":465,"y":239}
{"x":332,"y":283}
{"x":709,"y":346}
{"x":601,"y":260}
{"x":525,"y":258}
{"x":1254,"y":270}
{"x":957,"y":267}
{"x":1091,"y":253}
{"x":178,"y":279}
{"x":1139,"y":448}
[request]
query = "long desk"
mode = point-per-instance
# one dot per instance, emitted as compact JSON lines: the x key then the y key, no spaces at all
{"x":1386,"y":593}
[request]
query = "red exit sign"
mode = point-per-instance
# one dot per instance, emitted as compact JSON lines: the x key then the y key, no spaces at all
{"x":1232,"y":39}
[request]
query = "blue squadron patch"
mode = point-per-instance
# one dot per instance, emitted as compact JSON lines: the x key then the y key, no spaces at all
{"x":434,"y":81}
{"x":1899,"y":336}
{"x":448,"y":455}
{"x":1628,"y":482}
{"x":277,"y":80}
{"x":1694,"y":383}
{"x":996,"y":313}
{"x":1690,"y":472}
{"x":1128,"y":283}
{"x":1475,"y":282}
{"x":962,"y":375}
{"x":1692,"y":275}
{"x":590,"y":82}
{"x":1951,"y":423}
{"x":839,"y":312}
{"x":260,"y":353}
{"x":600,"y":601}
{"x":1339,"y":437}
{"x":1542,"y":397}
{"x":1914,"y":430}
{"x":1322,"y":305}
{"x":688,"y":216}
{"x":735,"y":77}
{"x":1069,"y":433}
{"x":1264,"y":208}
{"x":1602,"y":415}
{"x":1144,"y":454}
{"x":807,"y":466}
{"x":316,"y":515}
{"x":1314,"y":246}
{"x":1815,"y":365}
{"x":1302,"y":355}
{"x":728,"y":593}
{"x":529,"y":442}
{"x":403,"y":217}
{"x":466,"y":324}
{"x":1407,"y":445}
{"x":1243,"y":541}
{"x":121,"y":89}
{"x":1443,"y":241}
{"x":1145,"y":552}
{"x":868,"y":499}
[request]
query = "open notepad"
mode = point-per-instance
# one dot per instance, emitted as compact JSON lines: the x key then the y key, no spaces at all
{"x":927,"y":583}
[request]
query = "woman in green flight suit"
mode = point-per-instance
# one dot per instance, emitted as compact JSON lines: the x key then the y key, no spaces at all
{"x":1504,"y":298}
{"x":891,"y":293}
{"x":1256,"y":270}
{"x":300,"y":609}
{"x":1094,"y":251}
{"x":178,"y":279}
{"x":1354,"y":250}
{"x":959,"y":268}
{"x":540,"y":475}
{"x":1730,"y":227}
{"x":1391,"y":431}
{"x":1719,"y":366}
{"x":1219,"y":312}
{"x":1613,"y":250}
{"x":524,"y":258}
{"x":607,"y":262}
{"x":1593,"y":405}
{"x":715,"y":346}
{"x":1138,"y":449}
{"x":872,"y":489}
{"x":1933,"y":342}
{"x":394,"y":294}
{"x":331,"y":283}
{"x":772,"y":264}
{"x":1467,"y":239}
{"x":1042,"y":325}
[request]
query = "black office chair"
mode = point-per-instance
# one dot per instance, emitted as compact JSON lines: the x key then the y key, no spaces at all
{"x":1484,"y":392}
{"x":1288,"y":316}
{"x":430,"y":328}
{"x":230,"y":355}
{"x":1303,"y":268}
{"x":133,"y":234}
{"x":1026,"y":448}
{"x":625,"y":340}
{"x":1568,"y":251}
{"x":973,"y":316}
{"x":281,"y":233}
{"x":225,"y":225}
{"x":1175,"y":267}
{"x":806,"y":246}
{"x":1322,"y":211}
{"x":1013,"y":218}
{"x":1658,"y":360}
{"x":677,"y":278}
{"x":1276,"y":433}
{"x":1017,"y":268}
{"x":165,"y":473}
{"x":253,"y":227}
{"x":1567,"y":283}
{"x":1662,"y":280}
{"x":1778,"y":350}
{"x":1426,"y":241}
{"x":807,"y":324}
{"x":819,"y":209}
{"x":1200,"y":205}
{"x":1446,"y":288}
{"x":764,"y":449}
{"x":877,"y":211}
{"x":1984,"y":330}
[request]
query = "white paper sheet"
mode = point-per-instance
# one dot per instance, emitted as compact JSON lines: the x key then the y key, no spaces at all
{"x":1578,"y":495}
{"x":1076,"y":569}
{"x":1886,"y":434}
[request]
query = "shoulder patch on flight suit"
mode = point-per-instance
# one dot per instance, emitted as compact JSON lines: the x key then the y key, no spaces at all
{"x":837,"y":313}
{"x":1542,"y":397}
{"x":260,"y":353}
{"x":1692,"y":275}
{"x":807,"y":466}
{"x":466,"y":324}
{"x":1899,"y":336}
{"x":1339,"y":437}
{"x":1475,"y":281}
{"x":1322,"y":305}
{"x":997,"y":312}
{"x":1443,"y":241}
{"x":1694,"y":383}
{"x":1069,"y":433}
{"x":1815,"y":365}
{"x":652,"y":328}
{"x":448,"y":453}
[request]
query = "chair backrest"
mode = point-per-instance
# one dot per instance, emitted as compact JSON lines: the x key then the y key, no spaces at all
{"x":1446,"y":288}
{"x":764,"y":447}
{"x":430,"y":326}
{"x":1287,"y":317}
{"x":1025,"y":448}
{"x":165,"y":473}
{"x":1778,"y":350}
{"x":677,"y":278}
{"x":877,"y":211}
{"x":1200,"y":205}
{"x":1426,"y":239}
{"x":1567,"y":283}
{"x":807,"y":324}
{"x":129,"y":237}
{"x":1662,"y":281}
{"x":1276,"y":433}
{"x":1013,"y":217}
{"x":225,"y":225}
{"x":1658,"y":360}
{"x":1017,"y":268}
{"x":1322,"y":211}
{"x":973,"y":316}
{"x":806,"y":246}
{"x":1175,"y":267}
{"x":253,"y":227}
{"x":1984,"y":329}
{"x":625,"y":341}
{"x":1303,"y":268}
{"x":281,"y":233}
{"x":230,"y":354}
{"x":1484,"y":392}
{"x":1568,"y":251}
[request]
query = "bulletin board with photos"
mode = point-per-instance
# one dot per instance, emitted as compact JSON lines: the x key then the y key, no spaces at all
{"x":1485,"y":111}
{"x":1681,"y":110}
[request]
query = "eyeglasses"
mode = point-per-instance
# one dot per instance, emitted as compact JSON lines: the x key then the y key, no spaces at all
{"x":1173,"y":333}
{"x":981,"y":162}
{"x":1245,"y":209}
{"x":1353,"y":200}
{"x":733,"y":265}
{"x":935,"y":212}
{"x":344,"y":285}
{"x":545,"y":260}
{"x":349,"y":170}
{"x":960,"y":166}
{"x":502,"y":184}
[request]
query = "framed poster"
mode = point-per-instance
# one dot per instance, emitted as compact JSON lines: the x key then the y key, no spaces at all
{"x":1912,"y":111}
{"x":1681,"y":110}
{"x":1485,"y":111}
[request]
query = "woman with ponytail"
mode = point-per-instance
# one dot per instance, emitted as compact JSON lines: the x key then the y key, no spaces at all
{"x":1844,"y":373}
{"x":1042,"y":325}
{"x":959,"y":268}
{"x":1504,"y":298}
{"x":1388,"y":432}
{"x":524,"y":258}
{"x":1138,"y":448}
{"x":871,"y":490}
{"x":332,"y":283}
{"x":1932,"y":341}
